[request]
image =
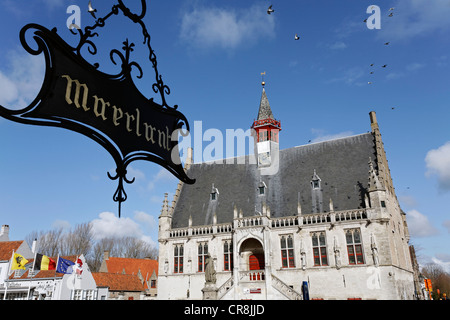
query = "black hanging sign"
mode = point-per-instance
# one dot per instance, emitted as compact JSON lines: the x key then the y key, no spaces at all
{"x":109,"y":109}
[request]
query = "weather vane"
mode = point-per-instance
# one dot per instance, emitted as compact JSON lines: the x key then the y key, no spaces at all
{"x":262,"y":76}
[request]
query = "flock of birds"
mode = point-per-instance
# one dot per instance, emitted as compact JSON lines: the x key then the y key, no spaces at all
{"x":391,"y":14}
{"x":270,"y":10}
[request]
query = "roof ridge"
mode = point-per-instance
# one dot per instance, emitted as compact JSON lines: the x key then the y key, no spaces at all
{"x":324,"y":141}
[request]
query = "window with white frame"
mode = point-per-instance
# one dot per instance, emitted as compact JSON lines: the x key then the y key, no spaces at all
{"x":287,"y":251}
{"x":228,"y":255}
{"x":178,"y":252}
{"x":319,"y":246}
{"x":202,"y":253}
{"x":354,"y":246}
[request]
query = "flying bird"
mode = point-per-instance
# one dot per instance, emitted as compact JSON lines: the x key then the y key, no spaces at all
{"x":369,"y":82}
{"x":91,"y":10}
{"x":371,"y":72}
{"x":391,"y":9}
{"x":270,"y":10}
{"x":365,"y":20}
{"x":384,"y":66}
{"x":371,"y":65}
{"x":387,"y":43}
{"x":391,"y":14}
{"x":296,"y":37}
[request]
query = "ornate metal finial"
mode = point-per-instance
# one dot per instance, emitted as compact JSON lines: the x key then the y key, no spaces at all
{"x":263,"y":83}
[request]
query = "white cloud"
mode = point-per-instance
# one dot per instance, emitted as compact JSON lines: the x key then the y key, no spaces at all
{"x":416,"y":18}
{"x":145,"y":219}
{"x":135,"y":173}
{"x":53,"y":3}
{"x":61,"y":224}
{"x":226,"y":28}
{"x":446,"y":224}
{"x":109,"y":225}
{"x":338,"y":45}
{"x":21,"y":79}
{"x":438,"y":163}
{"x":444,"y":264}
{"x":408,"y":201}
{"x":351,"y":76}
{"x":418,"y":224}
{"x":415,"y":66}
{"x":322,"y":136}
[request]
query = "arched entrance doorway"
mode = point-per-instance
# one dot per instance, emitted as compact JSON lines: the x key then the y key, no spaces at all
{"x":252,"y":259}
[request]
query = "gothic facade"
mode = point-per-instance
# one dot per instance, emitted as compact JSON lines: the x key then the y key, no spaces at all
{"x":318,"y":221}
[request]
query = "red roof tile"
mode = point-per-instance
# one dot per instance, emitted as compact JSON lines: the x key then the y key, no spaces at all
{"x":7,"y":247}
{"x":118,"y":282}
{"x":132,"y":266}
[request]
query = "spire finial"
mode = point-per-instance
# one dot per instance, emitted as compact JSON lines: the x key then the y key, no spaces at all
{"x":263,"y":83}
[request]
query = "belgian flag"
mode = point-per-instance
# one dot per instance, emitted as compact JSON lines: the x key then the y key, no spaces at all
{"x":44,"y":263}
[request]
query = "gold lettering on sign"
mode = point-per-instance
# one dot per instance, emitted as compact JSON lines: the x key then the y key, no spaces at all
{"x":103,"y":110}
{"x":78,"y":88}
{"x":104,"y":104}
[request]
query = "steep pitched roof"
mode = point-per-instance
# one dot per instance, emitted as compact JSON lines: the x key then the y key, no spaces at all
{"x":342,"y":165}
{"x":118,"y":282}
{"x":132,"y":266}
{"x":265,"y":112}
{"x":7,"y":247}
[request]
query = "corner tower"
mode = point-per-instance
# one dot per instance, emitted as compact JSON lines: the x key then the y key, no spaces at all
{"x":266,"y":134}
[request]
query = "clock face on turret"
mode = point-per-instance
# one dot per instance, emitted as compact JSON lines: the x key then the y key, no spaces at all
{"x":264,"y":159}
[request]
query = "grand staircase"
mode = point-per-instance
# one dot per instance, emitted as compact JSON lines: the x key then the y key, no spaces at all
{"x":278,"y":284}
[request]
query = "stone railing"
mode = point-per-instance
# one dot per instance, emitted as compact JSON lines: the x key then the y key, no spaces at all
{"x":286,"y":290}
{"x":250,"y":221}
{"x":281,"y":222}
{"x":200,"y":230}
{"x":252,"y":275}
{"x":224,"y":288}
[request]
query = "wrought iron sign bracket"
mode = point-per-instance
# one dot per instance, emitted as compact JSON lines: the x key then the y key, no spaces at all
{"x":109,"y":109}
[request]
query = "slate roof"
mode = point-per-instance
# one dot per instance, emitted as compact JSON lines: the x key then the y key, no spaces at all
{"x":341,"y":164}
{"x":265,"y":112}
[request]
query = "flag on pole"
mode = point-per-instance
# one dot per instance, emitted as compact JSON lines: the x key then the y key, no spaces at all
{"x":79,"y":267}
{"x":64,"y":266}
{"x":43,"y":262}
{"x":18,"y":262}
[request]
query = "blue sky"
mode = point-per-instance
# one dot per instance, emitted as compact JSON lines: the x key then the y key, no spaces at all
{"x":211,"y":55}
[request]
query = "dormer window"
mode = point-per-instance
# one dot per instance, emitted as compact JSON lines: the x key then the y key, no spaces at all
{"x":214,"y":193}
{"x":315,"y":182}
{"x":262,"y":188}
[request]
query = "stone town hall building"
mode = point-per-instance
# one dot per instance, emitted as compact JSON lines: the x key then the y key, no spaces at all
{"x":320,"y":221}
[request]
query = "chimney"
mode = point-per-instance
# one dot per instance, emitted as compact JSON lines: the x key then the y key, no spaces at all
{"x":33,"y":246}
{"x":4,"y":233}
{"x":373,"y":120}
{"x":106,"y":255}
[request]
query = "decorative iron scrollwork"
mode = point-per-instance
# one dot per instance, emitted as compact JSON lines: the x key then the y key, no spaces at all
{"x":77,"y":96}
